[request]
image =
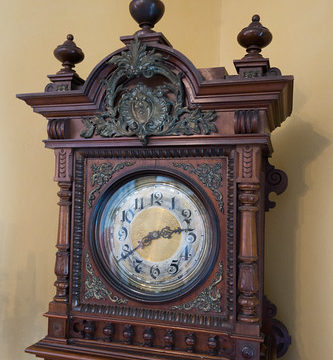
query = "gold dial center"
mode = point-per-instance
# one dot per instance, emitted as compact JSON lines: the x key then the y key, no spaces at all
{"x":153,"y":220}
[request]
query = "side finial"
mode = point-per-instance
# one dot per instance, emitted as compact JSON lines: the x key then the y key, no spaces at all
{"x":146,"y":12}
{"x":69,"y":54}
{"x":254,"y":37}
{"x":66,"y":79}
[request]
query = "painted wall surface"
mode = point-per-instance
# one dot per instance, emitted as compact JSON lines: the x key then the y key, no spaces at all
{"x":299,"y":272}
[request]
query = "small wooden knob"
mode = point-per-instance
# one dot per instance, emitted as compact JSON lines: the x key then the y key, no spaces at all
{"x":108,"y":331}
{"x":69,"y":54}
{"x":146,"y":12}
{"x":128,"y":334}
{"x":254,"y":37}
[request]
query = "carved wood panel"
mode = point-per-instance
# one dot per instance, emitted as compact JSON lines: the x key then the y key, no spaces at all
{"x":213,"y":303}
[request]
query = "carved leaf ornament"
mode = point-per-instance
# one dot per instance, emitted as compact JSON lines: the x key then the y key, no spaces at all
{"x":143,"y":111}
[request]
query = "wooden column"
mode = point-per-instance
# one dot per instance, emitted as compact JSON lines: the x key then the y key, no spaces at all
{"x":64,"y":178}
{"x":248,"y":280}
{"x":248,"y":178}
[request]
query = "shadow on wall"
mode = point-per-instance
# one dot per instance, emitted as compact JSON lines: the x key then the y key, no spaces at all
{"x":297,"y":148}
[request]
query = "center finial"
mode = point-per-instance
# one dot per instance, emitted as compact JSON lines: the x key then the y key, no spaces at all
{"x":146,"y":12}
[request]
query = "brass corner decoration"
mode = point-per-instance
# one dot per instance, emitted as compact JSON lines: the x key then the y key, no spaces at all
{"x":210,"y":176}
{"x":101,"y":174}
{"x":141,"y":110}
{"x":95,"y":288}
{"x":209,"y":298}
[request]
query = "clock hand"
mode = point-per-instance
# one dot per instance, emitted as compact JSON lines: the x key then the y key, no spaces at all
{"x":165,"y":233}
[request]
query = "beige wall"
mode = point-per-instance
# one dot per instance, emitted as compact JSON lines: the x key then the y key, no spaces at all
{"x":299,"y":273}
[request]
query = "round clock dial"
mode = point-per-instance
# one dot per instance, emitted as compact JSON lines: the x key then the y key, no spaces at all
{"x":153,"y":237}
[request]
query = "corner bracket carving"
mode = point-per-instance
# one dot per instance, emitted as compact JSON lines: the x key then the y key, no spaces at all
{"x":276,"y":181}
{"x":275,"y":329}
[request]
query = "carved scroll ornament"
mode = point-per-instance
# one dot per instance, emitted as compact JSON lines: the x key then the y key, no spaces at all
{"x":143,"y":111}
{"x":276,"y":181}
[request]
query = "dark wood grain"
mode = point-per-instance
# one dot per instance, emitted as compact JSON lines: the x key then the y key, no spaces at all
{"x":224,"y":316}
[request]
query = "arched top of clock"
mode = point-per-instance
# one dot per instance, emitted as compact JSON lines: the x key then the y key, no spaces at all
{"x":165,"y":85}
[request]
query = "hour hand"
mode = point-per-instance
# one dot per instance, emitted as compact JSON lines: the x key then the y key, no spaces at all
{"x":165,"y":233}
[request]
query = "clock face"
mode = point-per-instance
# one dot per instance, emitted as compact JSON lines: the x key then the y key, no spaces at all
{"x":153,"y":238}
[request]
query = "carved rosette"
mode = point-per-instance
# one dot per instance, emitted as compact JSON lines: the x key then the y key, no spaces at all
{"x":145,"y":111}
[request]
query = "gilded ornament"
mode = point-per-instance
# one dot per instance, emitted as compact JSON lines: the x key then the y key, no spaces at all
{"x":95,"y":288}
{"x":101,"y":174}
{"x":209,"y":299}
{"x":143,"y":111}
{"x":209,"y":175}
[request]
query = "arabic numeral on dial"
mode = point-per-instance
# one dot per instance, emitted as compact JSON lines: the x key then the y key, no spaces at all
{"x":155,"y":272}
{"x":127,"y":215}
{"x":138,"y":204}
{"x":122,"y":234}
{"x":191,"y":237}
{"x":187,"y":214}
{"x":173,"y":268}
{"x":137,"y":265}
{"x":186,"y":254}
{"x":126,"y":251}
{"x":173,"y":202}
{"x":156,"y":198}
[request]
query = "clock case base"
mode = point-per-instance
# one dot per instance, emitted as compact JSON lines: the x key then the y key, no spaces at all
{"x":273,"y":344}
{"x":49,"y":350}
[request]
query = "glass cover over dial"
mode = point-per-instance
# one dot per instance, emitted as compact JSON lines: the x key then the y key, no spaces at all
{"x":153,"y":237}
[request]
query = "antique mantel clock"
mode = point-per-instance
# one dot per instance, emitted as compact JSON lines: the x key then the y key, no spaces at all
{"x":164,"y":183}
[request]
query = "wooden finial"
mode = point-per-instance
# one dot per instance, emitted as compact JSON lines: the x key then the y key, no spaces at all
{"x":66,"y":79}
{"x":69,"y":54}
{"x":254,"y":37}
{"x":146,"y":12}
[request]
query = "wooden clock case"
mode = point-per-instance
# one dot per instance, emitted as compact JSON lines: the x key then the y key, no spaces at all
{"x":221,"y":152}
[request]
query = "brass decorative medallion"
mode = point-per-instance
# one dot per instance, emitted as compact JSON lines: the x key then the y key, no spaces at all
{"x":144,"y":111}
